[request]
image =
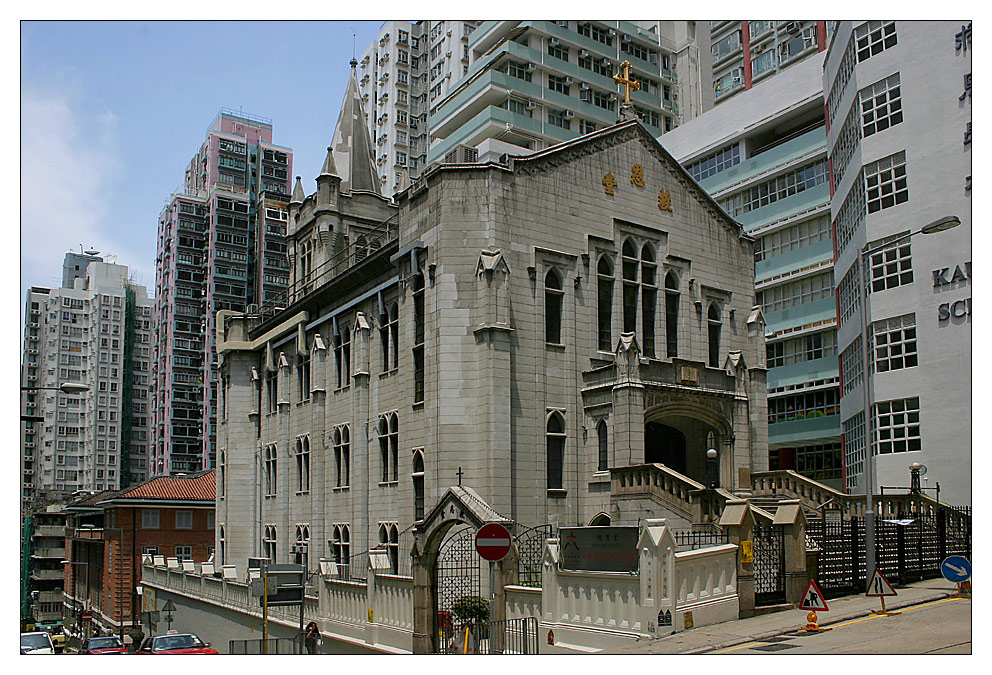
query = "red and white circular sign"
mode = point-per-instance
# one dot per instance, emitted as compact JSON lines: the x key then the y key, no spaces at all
{"x":492,"y":541}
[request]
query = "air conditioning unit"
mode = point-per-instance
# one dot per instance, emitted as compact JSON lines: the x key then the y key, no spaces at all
{"x":626,"y":38}
{"x":569,"y":113}
{"x":531,"y":66}
{"x":447,"y":55}
{"x":583,"y":85}
{"x":531,"y":105}
{"x":568,"y":80}
{"x":552,"y":40}
{"x":583,"y":52}
{"x":449,"y":33}
{"x":759,"y":49}
{"x":792,"y":26}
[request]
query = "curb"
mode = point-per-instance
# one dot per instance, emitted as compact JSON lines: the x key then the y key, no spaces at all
{"x":855,"y":614}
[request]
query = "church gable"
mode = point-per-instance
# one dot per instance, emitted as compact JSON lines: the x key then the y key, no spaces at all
{"x":655,"y":171}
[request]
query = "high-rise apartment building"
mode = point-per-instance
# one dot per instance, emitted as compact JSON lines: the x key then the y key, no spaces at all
{"x":532,"y":84}
{"x":95,"y":336}
{"x":221,"y":245}
{"x":898,"y":101}
{"x":401,"y":75}
{"x":744,"y":53}
{"x":763,"y":157}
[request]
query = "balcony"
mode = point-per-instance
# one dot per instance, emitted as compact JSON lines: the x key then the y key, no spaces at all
{"x":47,"y":575}
{"x":57,"y":553}
{"x":49,"y":531}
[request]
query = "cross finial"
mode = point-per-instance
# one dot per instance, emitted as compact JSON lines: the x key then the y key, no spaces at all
{"x":624,"y":79}
{"x":459,"y":473}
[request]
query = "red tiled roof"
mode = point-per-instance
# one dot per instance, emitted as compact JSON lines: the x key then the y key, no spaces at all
{"x":193,"y":487}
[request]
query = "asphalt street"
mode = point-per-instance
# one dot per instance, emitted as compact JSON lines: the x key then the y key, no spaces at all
{"x":939,"y":627}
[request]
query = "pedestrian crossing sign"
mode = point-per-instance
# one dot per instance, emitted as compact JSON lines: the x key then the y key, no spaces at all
{"x":813,"y":599}
{"x":879,"y":586}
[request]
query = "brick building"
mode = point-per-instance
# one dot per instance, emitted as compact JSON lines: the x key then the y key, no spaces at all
{"x":107,"y":533}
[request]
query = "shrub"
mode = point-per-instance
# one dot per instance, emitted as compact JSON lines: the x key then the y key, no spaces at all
{"x":471,"y":608}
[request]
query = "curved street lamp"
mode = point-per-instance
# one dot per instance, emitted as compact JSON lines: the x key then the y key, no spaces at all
{"x":940,"y":225}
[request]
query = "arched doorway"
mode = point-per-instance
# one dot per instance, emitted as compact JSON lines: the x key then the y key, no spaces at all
{"x":678,"y":432}
{"x":664,"y":445}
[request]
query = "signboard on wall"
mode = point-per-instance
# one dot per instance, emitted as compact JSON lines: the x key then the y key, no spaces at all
{"x":599,"y":549}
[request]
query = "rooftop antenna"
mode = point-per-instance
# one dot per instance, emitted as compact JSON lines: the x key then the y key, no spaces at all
{"x":354,"y":41}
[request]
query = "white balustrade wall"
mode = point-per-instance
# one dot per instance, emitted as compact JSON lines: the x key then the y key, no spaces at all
{"x":585,"y":610}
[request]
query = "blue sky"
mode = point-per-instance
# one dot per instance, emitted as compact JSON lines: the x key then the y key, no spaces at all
{"x":111,"y":113}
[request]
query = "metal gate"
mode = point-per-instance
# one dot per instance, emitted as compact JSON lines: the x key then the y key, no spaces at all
{"x":511,"y":636}
{"x":769,"y":564}
{"x":458,"y":572}
{"x":530,"y":547}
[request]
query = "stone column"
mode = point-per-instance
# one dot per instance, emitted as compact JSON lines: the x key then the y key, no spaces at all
{"x":796,"y":577}
{"x":628,"y":404}
{"x":738,"y":522}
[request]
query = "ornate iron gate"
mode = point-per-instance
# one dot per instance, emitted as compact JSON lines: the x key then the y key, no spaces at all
{"x":530,"y":547}
{"x":458,"y":572}
{"x":769,"y":564}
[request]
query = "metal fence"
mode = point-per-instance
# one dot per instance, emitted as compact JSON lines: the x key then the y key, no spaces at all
{"x":270,"y":646}
{"x":511,"y":636}
{"x":906,"y":549}
{"x":690,"y":540}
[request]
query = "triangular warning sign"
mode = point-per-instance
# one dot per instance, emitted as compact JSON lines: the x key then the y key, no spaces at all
{"x":813,"y":599}
{"x":879,"y":585}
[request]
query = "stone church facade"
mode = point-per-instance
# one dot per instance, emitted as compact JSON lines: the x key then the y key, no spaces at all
{"x":520,"y":328}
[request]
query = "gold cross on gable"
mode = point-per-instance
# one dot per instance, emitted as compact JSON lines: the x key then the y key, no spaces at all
{"x":626,"y":81}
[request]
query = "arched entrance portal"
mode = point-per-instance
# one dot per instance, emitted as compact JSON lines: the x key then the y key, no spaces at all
{"x":678,"y":435}
{"x":664,"y":445}
{"x":439,"y":558}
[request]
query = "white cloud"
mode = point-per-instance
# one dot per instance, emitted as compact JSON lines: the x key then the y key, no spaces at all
{"x":69,"y":166}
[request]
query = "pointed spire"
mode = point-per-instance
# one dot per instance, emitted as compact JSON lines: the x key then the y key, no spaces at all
{"x":352,"y":147}
{"x":329,"y":169}
{"x":298,"y":195}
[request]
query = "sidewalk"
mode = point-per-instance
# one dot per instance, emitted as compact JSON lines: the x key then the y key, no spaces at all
{"x":723,"y":635}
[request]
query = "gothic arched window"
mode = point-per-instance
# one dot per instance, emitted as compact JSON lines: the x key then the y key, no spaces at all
{"x":556,"y":451}
{"x":553,"y":296}
{"x":604,"y":288}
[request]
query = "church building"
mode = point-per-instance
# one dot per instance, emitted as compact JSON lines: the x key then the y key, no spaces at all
{"x":530,"y":329}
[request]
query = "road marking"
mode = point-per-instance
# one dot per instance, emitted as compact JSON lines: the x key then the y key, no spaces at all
{"x":902,"y":611}
{"x":743,"y":646}
{"x":748,"y":645}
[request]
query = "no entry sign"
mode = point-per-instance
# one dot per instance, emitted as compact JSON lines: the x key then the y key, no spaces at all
{"x":492,"y":541}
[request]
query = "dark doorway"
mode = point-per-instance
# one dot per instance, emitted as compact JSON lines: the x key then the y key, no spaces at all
{"x":664,"y":445}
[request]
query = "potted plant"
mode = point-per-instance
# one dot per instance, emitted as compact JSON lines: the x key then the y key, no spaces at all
{"x":473,"y":611}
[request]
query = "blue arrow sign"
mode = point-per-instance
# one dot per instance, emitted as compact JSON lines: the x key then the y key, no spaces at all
{"x":956,"y":568}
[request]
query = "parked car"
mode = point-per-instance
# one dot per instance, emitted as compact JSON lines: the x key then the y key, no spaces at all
{"x":175,"y":643}
{"x":56,"y":632}
{"x":38,"y":642}
{"x":103,"y":645}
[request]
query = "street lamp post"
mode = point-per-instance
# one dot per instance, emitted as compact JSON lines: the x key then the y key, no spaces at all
{"x":711,"y":468}
{"x":940,"y":225}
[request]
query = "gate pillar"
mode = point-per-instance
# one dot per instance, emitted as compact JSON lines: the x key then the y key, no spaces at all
{"x":738,"y":521}
{"x":793,"y":521}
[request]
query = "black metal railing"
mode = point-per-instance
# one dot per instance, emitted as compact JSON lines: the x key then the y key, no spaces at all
{"x":908,"y":548}
{"x":510,"y":636}
{"x":352,"y":253}
{"x":690,"y":540}
{"x":270,"y":646}
{"x":530,"y":549}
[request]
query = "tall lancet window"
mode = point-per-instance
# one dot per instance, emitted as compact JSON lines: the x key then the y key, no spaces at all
{"x":713,"y":321}
{"x":671,"y":315}
{"x":604,"y":278}
{"x":553,"y":295}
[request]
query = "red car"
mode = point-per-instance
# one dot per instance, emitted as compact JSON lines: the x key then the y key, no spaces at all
{"x":103,"y":645}
{"x":175,"y":643}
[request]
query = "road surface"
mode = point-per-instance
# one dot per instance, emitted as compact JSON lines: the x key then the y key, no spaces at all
{"x":941,"y":627}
